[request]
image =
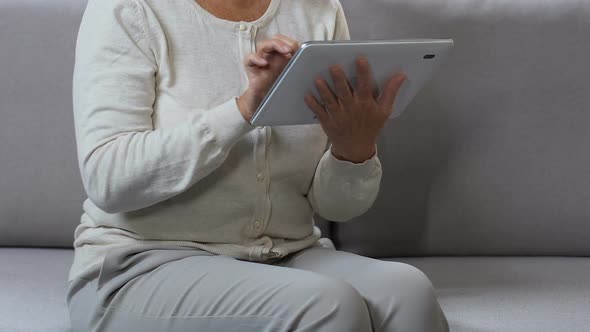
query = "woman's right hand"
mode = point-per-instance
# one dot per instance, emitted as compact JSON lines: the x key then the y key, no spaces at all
{"x":263,"y":68}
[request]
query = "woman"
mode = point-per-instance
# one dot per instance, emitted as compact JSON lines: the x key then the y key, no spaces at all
{"x":195,"y":219}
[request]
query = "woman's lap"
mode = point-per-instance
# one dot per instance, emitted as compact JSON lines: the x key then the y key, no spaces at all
{"x":317,"y":289}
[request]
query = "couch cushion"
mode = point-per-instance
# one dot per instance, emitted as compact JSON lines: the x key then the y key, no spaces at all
{"x":482,"y":294}
{"x":511,"y":294}
{"x":492,"y":157}
{"x":41,"y":192}
{"x":32,"y":287}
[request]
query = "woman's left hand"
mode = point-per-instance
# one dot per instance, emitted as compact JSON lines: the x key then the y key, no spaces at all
{"x":352,"y":117}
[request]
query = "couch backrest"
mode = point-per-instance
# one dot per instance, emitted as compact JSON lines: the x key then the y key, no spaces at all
{"x":493,"y":157}
{"x":41,"y":193}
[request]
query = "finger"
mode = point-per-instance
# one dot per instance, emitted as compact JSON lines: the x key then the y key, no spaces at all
{"x":289,"y":41}
{"x":272,"y":46}
{"x":315,"y":106}
{"x":341,"y":84}
{"x":389,"y":94}
{"x":293,"y":45}
{"x":364,"y":88}
{"x":328,"y":97}
{"x":254,"y":60}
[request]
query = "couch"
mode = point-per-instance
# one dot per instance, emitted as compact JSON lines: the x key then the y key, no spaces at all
{"x":486,"y":182}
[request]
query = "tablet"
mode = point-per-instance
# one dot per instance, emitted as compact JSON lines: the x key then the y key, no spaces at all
{"x":418,"y":58}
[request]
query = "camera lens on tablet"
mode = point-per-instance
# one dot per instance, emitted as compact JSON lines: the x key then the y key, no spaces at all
{"x":429,"y":56}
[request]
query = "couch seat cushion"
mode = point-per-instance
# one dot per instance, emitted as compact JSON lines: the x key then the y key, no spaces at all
{"x":32,"y":288}
{"x":520,"y":294}
{"x":483,"y":294}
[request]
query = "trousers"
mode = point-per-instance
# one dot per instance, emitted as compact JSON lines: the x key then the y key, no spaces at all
{"x":154,"y":289}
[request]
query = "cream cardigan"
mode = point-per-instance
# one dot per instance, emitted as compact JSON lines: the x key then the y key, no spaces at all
{"x":166,"y":157}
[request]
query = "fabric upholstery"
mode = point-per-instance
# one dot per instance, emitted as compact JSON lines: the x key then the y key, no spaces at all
{"x":32,"y":289}
{"x":478,"y":294}
{"x":494,"y":149}
{"x":41,"y":193}
{"x":511,"y":294}
{"x":492,"y":157}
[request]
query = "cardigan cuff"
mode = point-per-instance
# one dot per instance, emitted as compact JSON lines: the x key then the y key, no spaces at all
{"x":226,"y":123}
{"x":347,"y":169}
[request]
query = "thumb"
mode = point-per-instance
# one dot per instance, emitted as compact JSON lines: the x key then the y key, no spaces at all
{"x":387,"y":97}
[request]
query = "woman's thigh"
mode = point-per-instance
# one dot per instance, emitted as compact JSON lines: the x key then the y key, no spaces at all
{"x":220,"y":293}
{"x":399,"y":296}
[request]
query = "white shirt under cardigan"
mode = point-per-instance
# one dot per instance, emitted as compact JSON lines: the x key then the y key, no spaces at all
{"x":165,"y":155}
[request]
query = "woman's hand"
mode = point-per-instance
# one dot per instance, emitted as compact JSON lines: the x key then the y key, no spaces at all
{"x":353,"y":117}
{"x":263,"y":68}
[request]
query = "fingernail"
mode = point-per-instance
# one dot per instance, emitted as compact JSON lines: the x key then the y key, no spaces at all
{"x":285,"y":48}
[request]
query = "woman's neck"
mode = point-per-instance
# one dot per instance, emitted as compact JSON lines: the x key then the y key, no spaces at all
{"x":236,"y":10}
{"x":241,"y":4}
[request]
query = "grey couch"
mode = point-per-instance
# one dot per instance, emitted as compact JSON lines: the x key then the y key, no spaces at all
{"x":486,"y":183}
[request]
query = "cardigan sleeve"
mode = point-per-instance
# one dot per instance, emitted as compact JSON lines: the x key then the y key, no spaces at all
{"x":342,"y":190}
{"x":125,"y":163}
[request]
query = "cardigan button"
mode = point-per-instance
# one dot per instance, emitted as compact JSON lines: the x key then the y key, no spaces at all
{"x":243,"y":27}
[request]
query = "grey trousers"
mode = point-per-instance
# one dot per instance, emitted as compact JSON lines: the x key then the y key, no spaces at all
{"x":156,"y":289}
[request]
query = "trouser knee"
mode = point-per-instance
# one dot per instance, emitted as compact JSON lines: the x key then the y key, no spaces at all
{"x":334,"y":305}
{"x":352,"y":306}
{"x":416,"y":305}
